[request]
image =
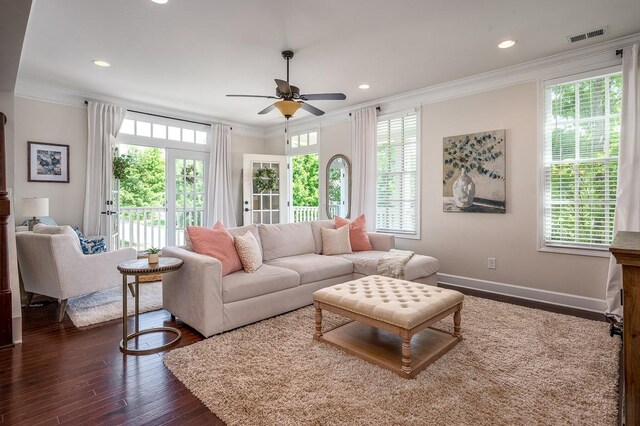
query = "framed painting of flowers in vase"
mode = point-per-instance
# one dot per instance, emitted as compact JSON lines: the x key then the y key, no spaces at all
{"x":474,"y":172}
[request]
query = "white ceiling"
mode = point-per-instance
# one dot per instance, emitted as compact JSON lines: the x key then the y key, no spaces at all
{"x":186,"y":55}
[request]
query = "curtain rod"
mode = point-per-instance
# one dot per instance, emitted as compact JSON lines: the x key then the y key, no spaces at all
{"x":619,"y":52}
{"x":377,"y":109}
{"x":165,"y":116}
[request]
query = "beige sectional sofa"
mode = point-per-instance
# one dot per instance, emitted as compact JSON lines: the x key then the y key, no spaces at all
{"x":293,"y":269}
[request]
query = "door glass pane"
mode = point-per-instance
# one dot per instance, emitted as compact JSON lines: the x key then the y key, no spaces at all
{"x":143,"y":129}
{"x":188,"y":135}
{"x":159,"y":131}
{"x":174,"y":133}
{"x":201,"y":137}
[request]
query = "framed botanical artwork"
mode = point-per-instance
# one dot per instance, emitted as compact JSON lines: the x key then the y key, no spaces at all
{"x":48,"y":162}
{"x":474,"y":172}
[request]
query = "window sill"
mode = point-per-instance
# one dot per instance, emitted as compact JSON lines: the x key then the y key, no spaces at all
{"x":575,"y":251}
{"x":401,"y":236}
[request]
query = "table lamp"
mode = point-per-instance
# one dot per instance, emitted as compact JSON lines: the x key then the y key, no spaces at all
{"x":34,"y":208}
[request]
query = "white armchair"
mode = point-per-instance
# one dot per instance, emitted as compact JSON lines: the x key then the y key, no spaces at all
{"x":54,"y":266}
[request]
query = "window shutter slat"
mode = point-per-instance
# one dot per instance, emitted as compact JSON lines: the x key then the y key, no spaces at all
{"x":397,"y":185}
{"x":582,"y":133}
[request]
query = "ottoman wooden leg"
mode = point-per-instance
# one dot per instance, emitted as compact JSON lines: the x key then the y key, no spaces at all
{"x":318,"y":332}
{"x":457,"y":317}
{"x":406,"y":353}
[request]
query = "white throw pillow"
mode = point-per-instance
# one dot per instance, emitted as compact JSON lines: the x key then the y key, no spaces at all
{"x":249,"y":251}
{"x":41,"y":228}
{"x":336,"y":241}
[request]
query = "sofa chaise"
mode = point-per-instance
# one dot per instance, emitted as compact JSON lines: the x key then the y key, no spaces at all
{"x":293,"y":268}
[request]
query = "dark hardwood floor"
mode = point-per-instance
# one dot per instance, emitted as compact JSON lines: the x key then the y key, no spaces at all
{"x":64,"y":375}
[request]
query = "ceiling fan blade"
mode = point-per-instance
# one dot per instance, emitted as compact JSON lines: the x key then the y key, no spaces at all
{"x":324,"y":97}
{"x":252,"y":96}
{"x":284,"y":87}
{"x":268,"y":109}
{"x":310,"y":108}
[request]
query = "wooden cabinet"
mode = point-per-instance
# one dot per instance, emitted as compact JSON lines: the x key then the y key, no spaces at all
{"x":626,"y":249}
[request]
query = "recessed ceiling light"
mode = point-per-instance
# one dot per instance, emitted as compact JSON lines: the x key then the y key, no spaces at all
{"x":101,"y":63}
{"x":160,"y":1}
{"x":363,"y":86}
{"x":507,"y":44}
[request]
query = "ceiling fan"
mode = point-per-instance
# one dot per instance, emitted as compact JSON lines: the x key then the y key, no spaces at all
{"x":290,"y":98}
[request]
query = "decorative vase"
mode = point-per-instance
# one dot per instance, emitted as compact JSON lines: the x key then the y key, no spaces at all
{"x":464,"y":190}
{"x":153,"y":257}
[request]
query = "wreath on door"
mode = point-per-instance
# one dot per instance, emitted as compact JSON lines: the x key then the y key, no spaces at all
{"x":266,"y":179}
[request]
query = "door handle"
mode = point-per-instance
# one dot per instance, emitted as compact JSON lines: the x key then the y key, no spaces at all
{"x":246,"y":209}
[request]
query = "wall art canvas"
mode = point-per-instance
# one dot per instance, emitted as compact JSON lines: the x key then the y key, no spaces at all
{"x":48,"y":162}
{"x":474,"y":173}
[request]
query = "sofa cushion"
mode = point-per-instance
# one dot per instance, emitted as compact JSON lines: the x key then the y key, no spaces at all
{"x":336,"y":241}
{"x":286,"y":239}
{"x":242,"y":230}
{"x":315,"y":267}
{"x":218,"y":243}
{"x":41,"y":228}
{"x":266,"y":279}
{"x":316,"y":227}
{"x":357,"y":232}
{"x":249,"y":251}
{"x":366,"y":263}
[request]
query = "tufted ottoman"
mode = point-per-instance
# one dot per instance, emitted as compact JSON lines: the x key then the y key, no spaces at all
{"x":387,"y":313}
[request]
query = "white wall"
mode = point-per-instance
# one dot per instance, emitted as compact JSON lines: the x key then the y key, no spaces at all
{"x":39,"y":121}
{"x":463,"y":241}
{"x":7,"y":106}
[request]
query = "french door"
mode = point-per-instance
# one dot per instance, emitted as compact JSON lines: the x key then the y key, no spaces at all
{"x":186,"y":192}
{"x":268,"y":206}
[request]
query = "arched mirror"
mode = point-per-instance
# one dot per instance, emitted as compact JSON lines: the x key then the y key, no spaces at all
{"x":338,"y":187}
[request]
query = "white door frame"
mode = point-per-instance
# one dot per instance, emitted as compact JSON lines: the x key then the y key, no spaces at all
{"x":170,"y":175}
{"x":247,"y":184}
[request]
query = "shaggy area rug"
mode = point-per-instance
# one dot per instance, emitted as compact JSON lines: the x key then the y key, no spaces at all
{"x":106,"y":305}
{"x":515,"y":365}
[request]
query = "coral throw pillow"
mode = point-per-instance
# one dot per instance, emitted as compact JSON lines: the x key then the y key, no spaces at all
{"x":218,"y":243}
{"x":357,"y":233}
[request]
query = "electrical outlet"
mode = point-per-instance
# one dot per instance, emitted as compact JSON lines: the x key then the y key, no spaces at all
{"x":491,"y":264}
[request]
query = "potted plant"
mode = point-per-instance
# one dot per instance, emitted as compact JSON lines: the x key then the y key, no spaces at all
{"x":153,"y":255}
{"x":121,"y":165}
{"x":466,"y":154}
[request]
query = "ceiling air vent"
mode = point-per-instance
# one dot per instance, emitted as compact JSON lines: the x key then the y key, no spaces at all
{"x":589,"y":34}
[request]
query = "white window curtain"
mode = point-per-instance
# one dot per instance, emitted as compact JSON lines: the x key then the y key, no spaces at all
{"x":220,"y":198}
{"x":628,"y":200}
{"x":363,"y":151}
{"x":104,"y":124}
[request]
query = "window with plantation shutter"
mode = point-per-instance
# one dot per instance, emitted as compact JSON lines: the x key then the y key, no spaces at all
{"x":397,"y":207}
{"x":582,"y":136}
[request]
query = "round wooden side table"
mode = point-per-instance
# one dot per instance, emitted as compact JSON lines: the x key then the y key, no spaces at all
{"x":138,"y":268}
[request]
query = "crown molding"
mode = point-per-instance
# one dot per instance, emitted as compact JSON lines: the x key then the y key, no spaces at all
{"x":601,"y":55}
{"x":75,"y":98}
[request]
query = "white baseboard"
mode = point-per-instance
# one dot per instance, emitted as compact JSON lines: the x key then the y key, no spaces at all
{"x":527,"y":293}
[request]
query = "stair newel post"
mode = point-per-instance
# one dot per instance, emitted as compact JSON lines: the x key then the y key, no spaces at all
{"x":6,"y":326}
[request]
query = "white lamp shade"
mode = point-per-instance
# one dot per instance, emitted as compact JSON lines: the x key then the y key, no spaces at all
{"x":35,"y":207}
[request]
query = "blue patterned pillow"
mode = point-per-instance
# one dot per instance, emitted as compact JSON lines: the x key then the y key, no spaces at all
{"x":90,"y":246}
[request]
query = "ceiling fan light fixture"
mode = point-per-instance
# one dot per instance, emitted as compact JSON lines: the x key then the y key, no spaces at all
{"x":287,"y":108}
{"x":363,"y":86}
